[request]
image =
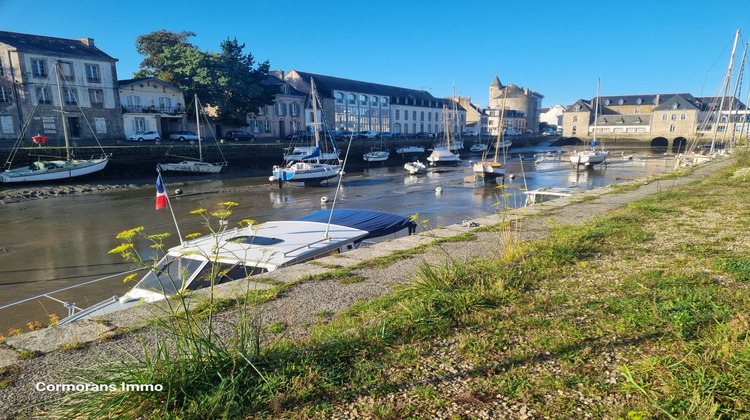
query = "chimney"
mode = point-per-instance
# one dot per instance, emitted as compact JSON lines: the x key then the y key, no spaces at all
{"x":656,"y":102}
{"x":89,"y":42}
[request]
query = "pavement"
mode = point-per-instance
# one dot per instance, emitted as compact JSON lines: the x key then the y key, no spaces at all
{"x":61,"y":350}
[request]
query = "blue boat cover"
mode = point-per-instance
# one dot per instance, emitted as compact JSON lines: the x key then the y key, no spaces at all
{"x":377,"y":223}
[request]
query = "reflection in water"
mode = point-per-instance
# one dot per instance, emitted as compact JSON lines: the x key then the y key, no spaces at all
{"x":65,"y":240}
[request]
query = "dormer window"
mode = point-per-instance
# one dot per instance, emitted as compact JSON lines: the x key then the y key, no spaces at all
{"x":621,"y":101}
{"x":674,"y":105}
{"x":638,"y":101}
{"x":606,"y":102}
{"x":577,"y":108}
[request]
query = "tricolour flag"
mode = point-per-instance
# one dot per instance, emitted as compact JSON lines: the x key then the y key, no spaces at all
{"x":161,"y":193}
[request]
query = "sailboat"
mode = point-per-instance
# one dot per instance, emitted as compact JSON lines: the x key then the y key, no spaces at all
{"x":51,"y":170}
{"x":591,"y":157}
{"x":442,"y":155}
{"x":309,"y":168}
{"x":377,"y":154}
{"x":494,"y":169}
{"x":194,"y":166}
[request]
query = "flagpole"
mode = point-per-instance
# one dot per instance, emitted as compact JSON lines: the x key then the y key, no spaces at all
{"x":171,"y":210}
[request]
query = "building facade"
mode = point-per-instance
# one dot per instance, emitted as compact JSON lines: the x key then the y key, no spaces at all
{"x":30,"y":100}
{"x":516,"y":98}
{"x":663,"y":119}
{"x":153,"y":104}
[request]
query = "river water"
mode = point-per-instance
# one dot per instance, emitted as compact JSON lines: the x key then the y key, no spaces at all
{"x":52,"y":243}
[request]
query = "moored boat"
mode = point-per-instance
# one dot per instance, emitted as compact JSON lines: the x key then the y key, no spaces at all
{"x":415,"y":167}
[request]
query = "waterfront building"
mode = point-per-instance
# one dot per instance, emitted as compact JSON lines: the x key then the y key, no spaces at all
{"x":662,"y":119}
{"x":29,"y":94}
{"x":519,"y":99}
{"x":351,"y":105}
{"x":553,"y":116}
{"x":286,"y":116}
{"x":153,"y":104}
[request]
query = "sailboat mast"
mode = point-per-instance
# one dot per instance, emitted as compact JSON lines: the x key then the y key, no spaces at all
{"x":314,"y":97}
{"x":502,"y":127}
{"x":596,"y":108}
{"x":62,"y":112}
{"x":727,"y":80}
{"x":198,"y":128}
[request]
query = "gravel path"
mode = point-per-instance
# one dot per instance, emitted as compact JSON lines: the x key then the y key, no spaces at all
{"x":305,"y":302}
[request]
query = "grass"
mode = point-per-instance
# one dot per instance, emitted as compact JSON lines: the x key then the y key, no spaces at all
{"x":638,"y":314}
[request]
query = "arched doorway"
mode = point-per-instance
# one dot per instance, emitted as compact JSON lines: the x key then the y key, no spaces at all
{"x":679,"y":145}
{"x":659,"y":145}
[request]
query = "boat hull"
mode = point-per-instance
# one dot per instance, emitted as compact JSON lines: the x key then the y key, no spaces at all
{"x":53,"y":170}
{"x":309,"y":173}
{"x":376,"y":156}
{"x":489,"y":169}
{"x":587,"y":158}
{"x":191,"y":167}
{"x":443,"y":157}
{"x":415,"y":168}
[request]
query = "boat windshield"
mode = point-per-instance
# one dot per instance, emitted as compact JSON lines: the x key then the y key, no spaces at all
{"x":170,"y":275}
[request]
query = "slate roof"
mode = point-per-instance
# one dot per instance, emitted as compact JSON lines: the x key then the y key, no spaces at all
{"x":327,"y":84}
{"x":50,"y":45}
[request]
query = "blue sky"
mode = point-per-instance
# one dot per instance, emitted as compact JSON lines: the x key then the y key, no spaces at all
{"x":557,"y":48}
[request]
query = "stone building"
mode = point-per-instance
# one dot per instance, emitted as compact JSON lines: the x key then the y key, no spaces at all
{"x":30,"y":100}
{"x":286,"y":116}
{"x":519,"y":99}
{"x":662,"y":119}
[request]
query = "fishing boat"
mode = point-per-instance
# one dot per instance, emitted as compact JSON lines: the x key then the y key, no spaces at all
{"x":194,"y":166}
{"x":416,"y":167}
{"x":493,"y":169}
{"x":54,"y":169}
{"x":590,"y":157}
{"x":309,"y":169}
{"x":255,"y":249}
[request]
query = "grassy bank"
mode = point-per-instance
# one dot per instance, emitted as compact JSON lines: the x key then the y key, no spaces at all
{"x":641,"y":313}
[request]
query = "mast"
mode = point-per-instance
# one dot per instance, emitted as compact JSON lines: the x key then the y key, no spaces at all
{"x":198,"y":125}
{"x":314,"y":97}
{"x":62,"y":112}
{"x":596,"y":108}
{"x":502,"y":127}
{"x":723,"y":94}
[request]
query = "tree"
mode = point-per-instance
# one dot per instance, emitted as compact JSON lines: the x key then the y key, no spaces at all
{"x":153,"y":45}
{"x":226,"y":80}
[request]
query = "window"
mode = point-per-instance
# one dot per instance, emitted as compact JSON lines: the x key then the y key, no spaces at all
{"x":2,"y":70}
{"x":421,"y":115}
{"x":351,"y":98}
{"x":262,"y":110}
{"x":92,"y":73}
{"x":674,"y":105}
{"x":674,"y":117}
{"x":384,"y":101}
{"x":165,"y":104}
{"x":139,"y":124}
{"x":573,"y":131}
{"x":398,"y":111}
{"x":267,"y":126}
{"x":362,"y":100}
{"x":406,"y":115}
{"x":638,"y":101}
{"x":294,"y":109}
{"x":606,"y":102}
{"x":683,"y":116}
{"x":4,"y":95}
{"x":374,"y":101}
{"x":66,"y":69}
{"x":339,"y":97}
{"x":38,"y":68}
{"x":621,"y":101}
{"x":100,"y":125}
{"x":96,"y":96}
{"x":577,"y":108}
{"x":414,"y":116}
{"x":664,"y":117}
{"x":671,"y":127}
{"x":134,"y":103}
{"x":43,"y":96}
{"x":637,"y":111}
{"x":69,"y":95}
{"x":575,"y":118}
{"x":280,"y":108}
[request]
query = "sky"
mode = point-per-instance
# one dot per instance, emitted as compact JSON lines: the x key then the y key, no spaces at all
{"x":556,"y":48}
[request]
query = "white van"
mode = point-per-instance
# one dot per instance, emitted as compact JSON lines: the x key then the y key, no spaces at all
{"x":367,"y":134}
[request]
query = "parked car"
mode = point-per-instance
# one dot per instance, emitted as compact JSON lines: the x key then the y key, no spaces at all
{"x":367,"y":134}
{"x":385,"y":135}
{"x":183,"y":135}
{"x":398,"y":135}
{"x":468,"y":134}
{"x":342,"y":135}
{"x":239,"y":135}
{"x":145,"y":136}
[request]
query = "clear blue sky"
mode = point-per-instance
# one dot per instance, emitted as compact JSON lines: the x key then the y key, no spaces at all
{"x":557,"y":48}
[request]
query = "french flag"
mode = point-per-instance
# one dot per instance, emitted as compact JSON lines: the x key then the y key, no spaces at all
{"x":161,"y":193}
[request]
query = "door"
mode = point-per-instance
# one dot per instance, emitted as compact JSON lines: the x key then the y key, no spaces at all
{"x":281,"y":129}
{"x":74,"y":127}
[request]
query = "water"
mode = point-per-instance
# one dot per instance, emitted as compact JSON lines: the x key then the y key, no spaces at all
{"x":58,"y":242}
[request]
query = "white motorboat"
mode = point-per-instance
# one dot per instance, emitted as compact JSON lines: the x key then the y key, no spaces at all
{"x":410,"y":150}
{"x":542,"y":195}
{"x":194,"y":166}
{"x":55,"y":169}
{"x":416,"y":167}
{"x":242,"y":252}
{"x":478,"y":147}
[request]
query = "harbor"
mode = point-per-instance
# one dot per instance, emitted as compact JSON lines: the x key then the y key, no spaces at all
{"x":64,"y":240}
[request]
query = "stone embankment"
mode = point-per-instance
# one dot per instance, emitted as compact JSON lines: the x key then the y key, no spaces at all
{"x":60,"y":351}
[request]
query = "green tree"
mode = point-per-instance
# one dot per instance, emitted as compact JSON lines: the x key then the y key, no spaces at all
{"x":153,"y":45}
{"x":228,"y":80}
